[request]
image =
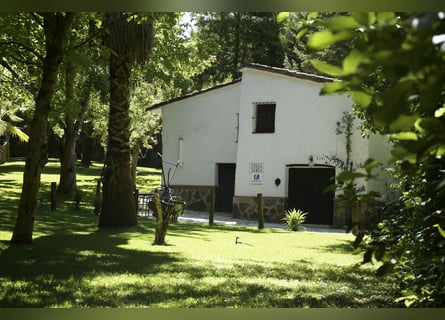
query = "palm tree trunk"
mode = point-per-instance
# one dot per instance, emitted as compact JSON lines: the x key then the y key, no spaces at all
{"x":134,"y":159}
{"x":118,"y":206}
{"x":56,"y":27}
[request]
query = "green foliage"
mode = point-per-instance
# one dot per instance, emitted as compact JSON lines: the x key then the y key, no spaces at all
{"x":294,"y":218}
{"x":21,"y":52}
{"x":235,"y":39}
{"x":178,"y":210}
{"x":7,"y":127}
{"x":395,"y":76}
{"x":352,"y":201}
{"x":297,"y":30}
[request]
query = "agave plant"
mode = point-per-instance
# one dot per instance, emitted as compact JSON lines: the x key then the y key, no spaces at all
{"x":294,"y":218}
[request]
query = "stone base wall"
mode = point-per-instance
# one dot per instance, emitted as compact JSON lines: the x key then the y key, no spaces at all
{"x":197,"y":198}
{"x":247,"y":208}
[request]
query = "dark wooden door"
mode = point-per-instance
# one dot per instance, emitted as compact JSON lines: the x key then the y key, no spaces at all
{"x":306,"y":191}
{"x":226,"y":187}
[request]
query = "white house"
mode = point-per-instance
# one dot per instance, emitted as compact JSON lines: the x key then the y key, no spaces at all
{"x":270,"y":132}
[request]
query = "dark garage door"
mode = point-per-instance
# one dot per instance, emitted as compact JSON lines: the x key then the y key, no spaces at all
{"x":306,"y":192}
{"x":226,"y":187}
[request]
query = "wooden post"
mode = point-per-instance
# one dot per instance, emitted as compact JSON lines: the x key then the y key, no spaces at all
{"x":136,"y":200}
{"x":212,"y":206}
{"x":98,"y":188}
{"x":260,"y":211}
{"x":97,"y":199}
{"x":355,"y":219}
{"x":53,"y":196}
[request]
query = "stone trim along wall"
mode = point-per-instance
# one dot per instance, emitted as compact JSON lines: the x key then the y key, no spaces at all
{"x":197,"y":198}
{"x":247,"y":208}
{"x":274,"y":208}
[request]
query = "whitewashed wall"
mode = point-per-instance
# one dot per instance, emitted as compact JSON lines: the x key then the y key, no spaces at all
{"x":380,"y":150}
{"x":305,"y":124}
{"x":206,"y":123}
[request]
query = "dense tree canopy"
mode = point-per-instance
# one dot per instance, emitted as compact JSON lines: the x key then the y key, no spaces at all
{"x":395,"y":74}
{"x":295,"y":36}
{"x":234,"y":39}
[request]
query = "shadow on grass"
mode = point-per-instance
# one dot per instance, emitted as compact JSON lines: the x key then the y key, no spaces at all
{"x":95,"y":270}
{"x":71,"y":264}
{"x":8,"y":168}
{"x":344,"y":246}
{"x":73,"y":254}
{"x":63,"y":261}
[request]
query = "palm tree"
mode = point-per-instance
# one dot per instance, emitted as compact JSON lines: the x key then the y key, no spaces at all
{"x":8,"y":128}
{"x":129,"y":42}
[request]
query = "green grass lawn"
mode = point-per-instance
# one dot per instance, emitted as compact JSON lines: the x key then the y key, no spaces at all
{"x":72,"y":264}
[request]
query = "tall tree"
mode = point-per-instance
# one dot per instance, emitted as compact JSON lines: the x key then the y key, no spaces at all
{"x":174,"y":62}
{"x":144,"y":124}
{"x":129,"y":41}
{"x":55,"y":27}
{"x":235,"y":39}
{"x":295,"y":38}
{"x":80,"y":69}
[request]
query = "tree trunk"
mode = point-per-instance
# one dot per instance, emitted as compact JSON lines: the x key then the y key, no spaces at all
{"x":134,"y":160}
{"x":118,"y":206}
{"x":68,"y":181}
{"x":163,"y":214}
{"x":56,"y":27}
{"x":89,"y":147}
{"x":355,"y":219}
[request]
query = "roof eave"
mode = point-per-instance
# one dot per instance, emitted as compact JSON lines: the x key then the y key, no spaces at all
{"x":192,"y":94}
{"x":287,"y":72}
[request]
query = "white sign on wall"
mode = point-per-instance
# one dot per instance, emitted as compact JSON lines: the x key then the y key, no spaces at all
{"x":256,"y":173}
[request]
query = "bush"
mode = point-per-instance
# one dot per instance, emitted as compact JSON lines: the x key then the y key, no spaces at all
{"x":178,"y":210}
{"x":294,"y":218}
